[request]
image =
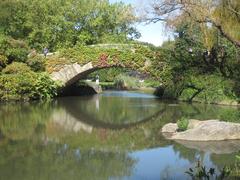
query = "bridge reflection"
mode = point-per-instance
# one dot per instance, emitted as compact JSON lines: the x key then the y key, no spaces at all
{"x":127,"y":122}
{"x":94,"y":111}
{"x":62,"y":118}
{"x":90,"y":113}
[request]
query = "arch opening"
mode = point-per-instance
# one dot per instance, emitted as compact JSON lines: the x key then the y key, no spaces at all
{"x":109,"y":78}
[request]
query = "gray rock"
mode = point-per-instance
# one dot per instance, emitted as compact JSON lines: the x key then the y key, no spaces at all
{"x":170,"y":128}
{"x":210,"y":130}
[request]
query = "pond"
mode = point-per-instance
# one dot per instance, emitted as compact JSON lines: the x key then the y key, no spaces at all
{"x":113,"y":135}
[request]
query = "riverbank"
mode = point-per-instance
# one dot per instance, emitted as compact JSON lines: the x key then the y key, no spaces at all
{"x":205,"y":97}
{"x":223,"y":103}
{"x":152,"y":90}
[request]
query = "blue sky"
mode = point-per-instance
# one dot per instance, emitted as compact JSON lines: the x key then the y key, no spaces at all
{"x":154,"y":33}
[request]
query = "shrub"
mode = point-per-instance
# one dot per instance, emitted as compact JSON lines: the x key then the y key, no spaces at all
{"x":236,"y":167}
{"x":26,"y":85}
{"x":3,"y":61}
{"x":45,"y":87}
{"x":13,"y":49}
{"x":3,"y":43}
{"x":17,"y":54}
{"x":16,"y":68}
{"x":152,"y":83}
{"x":126,"y":82}
{"x":16,"y":43}
{"x":37,"y":63}
{"x":202,"y":172}
{"x":17,"y":86}
{"x":182,"y":124}
{"x":215,"y":89}
{"x":107,"y":75}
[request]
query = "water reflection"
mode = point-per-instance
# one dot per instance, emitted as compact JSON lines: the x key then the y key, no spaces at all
{"x":110,"y":109}
{"x":62,"y":118}
{"x":28,"y":162}
{"x":110,"y":136}
{"x":160,"y":163}
{"x":215,"y":147}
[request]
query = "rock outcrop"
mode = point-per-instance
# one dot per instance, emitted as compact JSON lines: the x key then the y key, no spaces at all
{"x":210,"y":130}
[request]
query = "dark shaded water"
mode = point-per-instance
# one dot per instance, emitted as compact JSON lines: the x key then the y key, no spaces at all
{"x":114,"y":135}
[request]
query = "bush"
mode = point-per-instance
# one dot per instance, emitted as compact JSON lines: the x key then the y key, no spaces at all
{"x":45,"y":87}
{"x":213,"y":88}
{"x":182,"y":124}
{"x":202,"y":172}
{"x":13,"y":49}
{"x":37,"y":63}
{"x":16,"y":68}
{"x":3,"y":61}
{"x":17,"y":86}
{"x":170,"y":91}
{"x":107,"y":75}
{"x":152,"y":83}
{"x":17,"y":54}
{"x":126,"y":82}
{"x":26,"y":86}
{"x":3,"y":43}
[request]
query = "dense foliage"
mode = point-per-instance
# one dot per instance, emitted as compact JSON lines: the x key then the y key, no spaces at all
{"x":213,"y":17}
{"x":126,"y":82}
{"x":19,"y":82}
{"x":66,"y":23}
{"x":198,"y":72}
{"x":196,"y":66}
{"x":107,"y":75}
{"x":29,"y":26}
{"x":133,"y":56}
{"x":203,"y":59}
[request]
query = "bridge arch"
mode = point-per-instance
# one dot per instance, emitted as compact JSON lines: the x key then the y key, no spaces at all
{"x":71,"y":65}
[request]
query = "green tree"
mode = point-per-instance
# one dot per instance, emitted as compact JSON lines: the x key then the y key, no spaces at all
{"x":222,"y":15}
{"x":66,"y":23}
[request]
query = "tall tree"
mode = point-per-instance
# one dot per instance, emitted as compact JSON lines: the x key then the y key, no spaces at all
{"x":61,"y":23}
{"x":224,"y":15}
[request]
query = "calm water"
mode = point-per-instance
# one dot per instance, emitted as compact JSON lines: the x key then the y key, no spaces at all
{"x":114,"y":135}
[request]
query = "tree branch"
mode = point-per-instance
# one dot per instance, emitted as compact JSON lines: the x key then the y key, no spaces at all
{"x":198,"y":91}
{"x":155,"y":20}
{"x":219,"y":27}
{"x":224,"y":34}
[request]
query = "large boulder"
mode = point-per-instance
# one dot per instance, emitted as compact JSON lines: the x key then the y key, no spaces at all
{"x":170,"y":128}
{"x":210,"y":130}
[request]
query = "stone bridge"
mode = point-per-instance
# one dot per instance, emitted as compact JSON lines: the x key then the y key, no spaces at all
{"x":69,"y":74}
{"x":78,"y":63}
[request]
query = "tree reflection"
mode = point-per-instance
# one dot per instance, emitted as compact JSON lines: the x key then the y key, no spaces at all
{"x":19,"y":120}
{"x":24,"y":160}
{"x":112,"y":110}
{"x":60,"y":139}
